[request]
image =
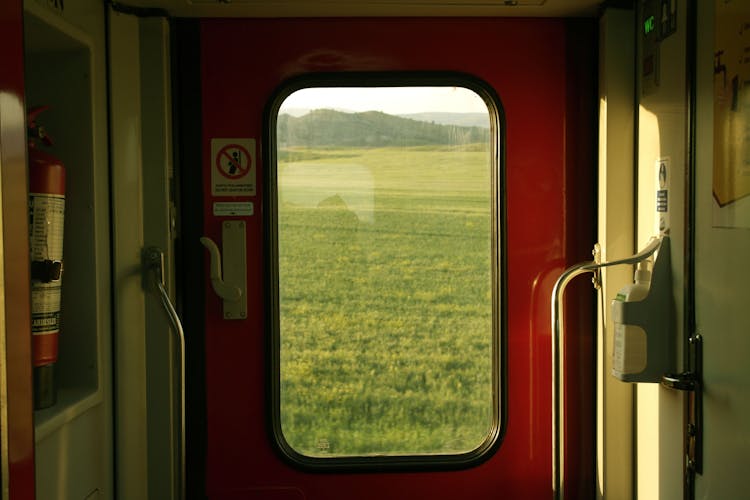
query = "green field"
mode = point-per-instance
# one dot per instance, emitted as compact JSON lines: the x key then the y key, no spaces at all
{"x":385,"y":298}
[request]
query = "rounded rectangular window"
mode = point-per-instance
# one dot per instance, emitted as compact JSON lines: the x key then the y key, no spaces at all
{"x":384,"y":215}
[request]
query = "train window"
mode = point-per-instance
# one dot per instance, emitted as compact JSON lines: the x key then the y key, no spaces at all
{"x":385,"y":273}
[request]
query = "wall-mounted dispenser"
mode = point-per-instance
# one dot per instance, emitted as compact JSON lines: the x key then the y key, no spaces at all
{"x":644,"y":322}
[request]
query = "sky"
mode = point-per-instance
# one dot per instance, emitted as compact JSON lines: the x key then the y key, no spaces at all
{"x":391,"y":100}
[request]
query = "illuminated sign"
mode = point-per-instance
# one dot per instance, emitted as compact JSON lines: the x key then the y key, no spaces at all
{"x":649,"y":25}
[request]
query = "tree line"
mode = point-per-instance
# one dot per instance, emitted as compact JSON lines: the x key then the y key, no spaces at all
{"x":370,"y":129}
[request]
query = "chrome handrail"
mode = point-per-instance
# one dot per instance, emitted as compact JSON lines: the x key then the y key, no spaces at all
{"x":154,"y":261}
{"x":558,"y":403}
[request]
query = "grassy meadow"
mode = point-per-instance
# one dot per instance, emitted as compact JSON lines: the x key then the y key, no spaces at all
{"x":385,"y":297}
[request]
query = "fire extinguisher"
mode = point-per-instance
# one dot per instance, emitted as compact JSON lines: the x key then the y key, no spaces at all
{"x":46,"y":217}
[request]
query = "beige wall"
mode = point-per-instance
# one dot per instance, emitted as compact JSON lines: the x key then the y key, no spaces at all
{"x":615,"y":229}
{"x":722,"y":299}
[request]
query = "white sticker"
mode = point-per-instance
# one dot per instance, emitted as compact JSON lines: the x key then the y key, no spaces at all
{"x":233,"y":167}
{"x":47,"y":214}
{"x":663,"y":168}
{"x":228,"y":208}
{"x":45,"y":308}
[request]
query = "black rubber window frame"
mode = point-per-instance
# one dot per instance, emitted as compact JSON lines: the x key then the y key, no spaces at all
{"x":387,"y":463}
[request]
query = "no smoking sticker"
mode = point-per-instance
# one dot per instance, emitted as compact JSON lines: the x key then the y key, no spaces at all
{"x":233,"y":167}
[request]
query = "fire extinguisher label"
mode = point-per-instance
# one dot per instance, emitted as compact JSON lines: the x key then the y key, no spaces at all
{"x":45,"y":308}
{"x":46,"y":218}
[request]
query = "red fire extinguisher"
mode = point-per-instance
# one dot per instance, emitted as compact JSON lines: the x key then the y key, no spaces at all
{"x":46,"y":217}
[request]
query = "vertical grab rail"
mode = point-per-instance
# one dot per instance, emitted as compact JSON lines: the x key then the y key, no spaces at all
{"x":558,"y":337}
{"x":153,"y":260}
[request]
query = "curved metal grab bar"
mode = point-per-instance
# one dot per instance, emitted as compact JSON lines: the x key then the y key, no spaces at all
{"x":154,"y":261}
{"x":558,"y":406}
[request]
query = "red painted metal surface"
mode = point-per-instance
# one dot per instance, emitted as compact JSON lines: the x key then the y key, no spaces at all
{"x":15,"y":254}
{"x":580,"y":205}
{"x":547,"y":98}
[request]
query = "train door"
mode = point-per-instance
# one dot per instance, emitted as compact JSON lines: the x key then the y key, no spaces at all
{"x":256,"y":431}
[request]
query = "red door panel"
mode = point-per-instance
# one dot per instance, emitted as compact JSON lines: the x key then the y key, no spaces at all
{"x":18,"y":451}
{"x":542,"y":74}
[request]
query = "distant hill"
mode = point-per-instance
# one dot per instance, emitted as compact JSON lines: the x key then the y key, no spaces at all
{"x":460,"y":119}
{"x":296,"y":111}
{"x":329,"y":128}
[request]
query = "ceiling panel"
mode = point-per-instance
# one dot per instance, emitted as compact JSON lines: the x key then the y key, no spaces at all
{"x":323,"y":8}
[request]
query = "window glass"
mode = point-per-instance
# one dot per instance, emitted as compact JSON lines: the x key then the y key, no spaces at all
{"x":386,"y":316}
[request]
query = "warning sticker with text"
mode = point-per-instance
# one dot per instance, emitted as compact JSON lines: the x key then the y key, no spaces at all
{"x":233,"y":167}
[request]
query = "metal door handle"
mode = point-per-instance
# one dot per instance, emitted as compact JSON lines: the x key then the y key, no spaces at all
{"x":222,"y":289}
{"x":229,"y":275}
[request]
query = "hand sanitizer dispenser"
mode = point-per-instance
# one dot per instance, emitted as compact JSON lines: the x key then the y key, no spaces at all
{"x":643,"y":316}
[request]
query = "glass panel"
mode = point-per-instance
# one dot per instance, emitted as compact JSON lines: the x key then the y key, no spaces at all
{"x":385,"y":265}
